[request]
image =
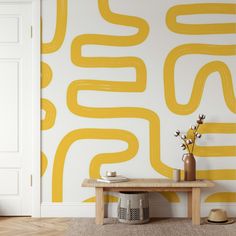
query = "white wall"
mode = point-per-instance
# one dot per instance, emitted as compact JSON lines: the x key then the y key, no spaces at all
{"x":83,"y":17}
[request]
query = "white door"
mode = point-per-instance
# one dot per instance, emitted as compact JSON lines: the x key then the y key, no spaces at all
{"x":15,"y":108}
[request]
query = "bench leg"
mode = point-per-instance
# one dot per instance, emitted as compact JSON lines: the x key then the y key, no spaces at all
{"x":196,"y":206}
{"x":189,"y":202}
{"x":99,"y":206}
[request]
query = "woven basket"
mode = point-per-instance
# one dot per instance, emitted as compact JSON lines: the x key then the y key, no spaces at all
{"x":133,"y":207}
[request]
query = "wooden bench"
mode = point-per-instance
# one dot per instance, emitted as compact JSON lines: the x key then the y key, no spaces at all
{"x":193,"y":188}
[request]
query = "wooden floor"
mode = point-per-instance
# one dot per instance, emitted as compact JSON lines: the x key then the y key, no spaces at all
{"x":27,"y":226}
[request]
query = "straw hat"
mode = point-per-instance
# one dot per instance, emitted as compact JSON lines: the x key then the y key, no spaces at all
{"x":218,"y":216}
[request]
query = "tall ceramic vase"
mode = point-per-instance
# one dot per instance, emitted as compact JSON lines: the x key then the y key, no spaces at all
{"x":189,"y":167}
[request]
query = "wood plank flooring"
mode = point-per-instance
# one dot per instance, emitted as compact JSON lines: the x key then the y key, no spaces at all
{"x":27,"y":226}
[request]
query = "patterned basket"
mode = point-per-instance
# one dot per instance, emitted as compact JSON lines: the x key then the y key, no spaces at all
{"x":133,"y":207}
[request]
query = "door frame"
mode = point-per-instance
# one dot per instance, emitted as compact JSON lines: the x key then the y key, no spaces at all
{"x":36,"y":116}
{"x":36,"y":96}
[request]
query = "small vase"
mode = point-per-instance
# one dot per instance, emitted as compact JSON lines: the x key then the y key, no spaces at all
{"x":189,"y":167}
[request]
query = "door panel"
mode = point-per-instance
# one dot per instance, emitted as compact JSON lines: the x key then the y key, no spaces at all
{"x":11,"y":186}
{"x":16,"y":108}
{"x":9,"y":91}
{"x":9,"y":29}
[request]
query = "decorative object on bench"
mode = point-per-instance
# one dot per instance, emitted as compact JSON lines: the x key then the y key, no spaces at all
{"x":188,"y":144}
{"x":189,"y":167}
{"x":219,"y":217}
{"x":111,"y":173}
{"x":176,"y":175}
{"x":133,"y":207}
{"x":113,"y":179}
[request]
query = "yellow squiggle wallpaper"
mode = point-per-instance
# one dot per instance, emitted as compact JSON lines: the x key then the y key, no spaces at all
{"x":122,"y":76}
{"x":110,"y":86}
{"x":200,"y":80}
{"x":201,"y":8}
{"x":60,"y":29}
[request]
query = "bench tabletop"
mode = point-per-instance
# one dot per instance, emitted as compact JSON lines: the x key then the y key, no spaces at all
{"x":152,"y":183}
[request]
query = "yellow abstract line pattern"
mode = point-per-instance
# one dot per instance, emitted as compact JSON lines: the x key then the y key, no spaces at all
{"x":44,"y":163}
{"x":174,"y":198}
{"x":50,"y":114}
{"x":222,"y":197}
{"x":202,"y":8}
{"x":201,"y":77}
{"x":75,"y":135}
{"x":206,"y":49}
{"x":48,"y":107}
{"x":111,"y":86}
{"x":46,"y":71}
{"x":107,"y":199}
{"x":216,"y":151}
{"x":46,"y":75}
{"x":60,"y":31}
{"x":221,"y":174}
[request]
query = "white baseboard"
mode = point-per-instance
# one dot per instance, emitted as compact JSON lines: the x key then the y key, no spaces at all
{"x":156,"y":210}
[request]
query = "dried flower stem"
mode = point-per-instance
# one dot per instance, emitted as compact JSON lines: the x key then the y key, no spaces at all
{"x":189,"y":141}
{"x":186,"y":144}
{"x":194,"y":138}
